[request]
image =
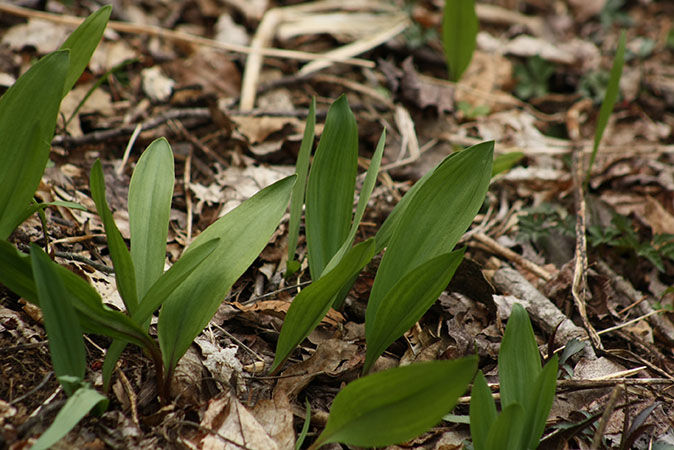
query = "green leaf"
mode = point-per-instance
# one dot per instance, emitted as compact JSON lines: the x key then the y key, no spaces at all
{"x":365,"y":193}
{"x":160,"y":290}
{"x":519,"y":363}
{"x":297,"y":197}
{"x":537,"y":411}
{"x":482,"y":412}
{"x":64,"y":334}
{"x":505,"y":162}
{"x":150,"y":193}
{"x":406,"y":302}
{"x":77,"y":406}
{"x":310,"y":306}
{"x":331,"y":185}
{"x":82,"y":43}
{"x":28,"y":112}
{"x":396,"y":405}
{"x":121,"y":258}
{"x":459,"y":35}
{"x":434,"y":218}
{"x":243,"y":233}
{"x":506,"y":430}
{"x":305,"y":428}
{"x":610,"y":98}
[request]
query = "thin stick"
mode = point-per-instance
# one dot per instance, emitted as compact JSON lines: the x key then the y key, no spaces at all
{"x":127,"y":150}
{"x":512,"y":256}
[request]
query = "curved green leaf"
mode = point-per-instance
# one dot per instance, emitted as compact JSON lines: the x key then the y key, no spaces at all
{"x":312,"y":304}
{"x":297,"y":197}
{"x":537,"y":411}
{"x":331,"y":185}
{"x":506,"y":431}
{"x":28,"y":112}
{"x":125,"y":275}
{"x":459,"y":35}
{"x":398,"y":404}
{"x":150,"y":194}
{"x":243,"y":233}
{"x":482,"y":412}
{"x":407,"y":301}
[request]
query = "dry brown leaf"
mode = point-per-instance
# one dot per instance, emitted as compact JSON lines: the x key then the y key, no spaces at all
{"x":279,"y":308}
{"x":276,"y":417}
{"x":659,"y":219}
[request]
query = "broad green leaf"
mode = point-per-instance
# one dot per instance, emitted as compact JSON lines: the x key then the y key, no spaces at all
{"x":30,"y":209}
{"x":610,"y":98}
{"x":365,"y":193}
{"x":506,"y":430}
{"x":398,"y":404}
{"x":331,"y":185}
{"x":482,"y":412}
{"x":17,"y":275}
{"x":434,"y":219}
{"x":297,"y":197}
{"x":64,"y":334}
{"x":459,"y":35}
{"x":505,"y":162}
{"x":82,"y":43}
{"x":312,"y":304}
{"x":160,"y":290}
{"x":150,"y":193}
{"x":28,"y":112}
{"x":243,"y":233}
{"x":406,"y":302}
{"x":537,"y":411}
{"x":125,"y":275}
{"x":519,"y":362}
{"x":76,"y":407}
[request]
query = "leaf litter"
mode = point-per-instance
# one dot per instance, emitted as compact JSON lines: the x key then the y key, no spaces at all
{"x":426,"y":117}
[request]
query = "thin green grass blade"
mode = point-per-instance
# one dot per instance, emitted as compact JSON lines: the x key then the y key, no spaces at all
{"x":610,"y":98}
{"x":537,"y":411}
{"x":482,"y":412}
{"x":398,"y":404}
{"x":76,"y":407}
{"x":82,"y":43}
{"x":28,"y":112}
{"x":434,"y":219}
{"x":365,"y":193}
{"x":160,"y":290}
{"x":459,"y":35}
{"x":64,"y":334}
{"x":150,"y":194}
{"x":125,"y":275}
{"x":519,"y":363}
{"x":297,"y":197}
{"x":243,"y":233}
{"x":305,"y":428}
{"x":407,"y":301}
{"x":312,"y":304}
{"x":506,"y":430}
{"x":330,"y":189}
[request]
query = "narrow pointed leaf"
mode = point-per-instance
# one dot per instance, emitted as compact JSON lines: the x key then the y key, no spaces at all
{"x":519,"y":363}
{"x":543,"y":394}
{"x":610,"y":97}
{"x":407,"y":301}
{"x":332,"y":179}
{"x":121,"y":258}
{"x":76,"y":407}
{"x":459,"y":35}
{"x":506,"y":430}
{"x":150,"y":193}
{"x":312,"y":304}
{"x":297,"y":197}
{"x":64,"y":334}
{"x":365,"y":193}
{"x":482,"y":412}
{"x":398,"y":404}
{"x":505,"y":162}
{"x":434,"y":219}
{"x":82,"y":42}
{"x":28,"y":113}
{"x":243,"y":233}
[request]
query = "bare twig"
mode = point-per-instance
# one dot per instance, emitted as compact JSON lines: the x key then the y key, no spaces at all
{"x":512,"y":256}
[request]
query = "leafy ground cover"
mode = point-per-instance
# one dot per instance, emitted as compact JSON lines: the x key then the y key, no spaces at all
{"x":236,"y":122}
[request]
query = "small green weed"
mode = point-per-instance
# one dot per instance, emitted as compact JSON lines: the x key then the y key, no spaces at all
{"x":533,"y":77}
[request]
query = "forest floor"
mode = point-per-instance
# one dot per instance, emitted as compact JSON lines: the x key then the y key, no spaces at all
{"x":535,"y":86}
